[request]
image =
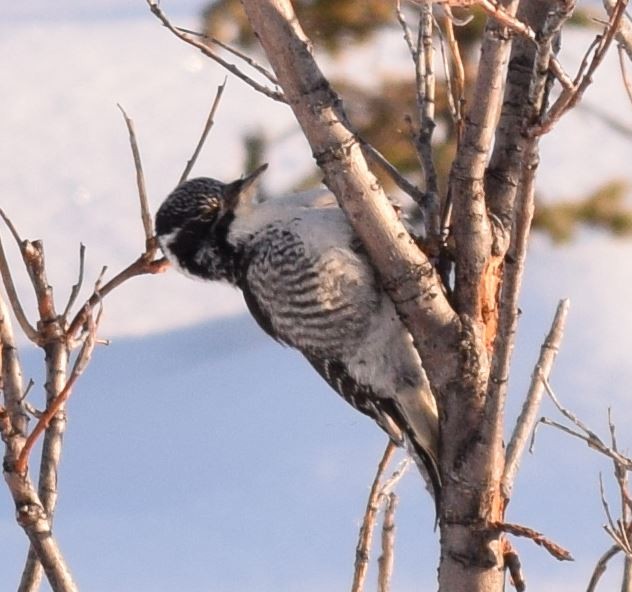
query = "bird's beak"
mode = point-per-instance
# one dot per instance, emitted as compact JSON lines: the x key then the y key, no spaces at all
{"x":242,"y":188}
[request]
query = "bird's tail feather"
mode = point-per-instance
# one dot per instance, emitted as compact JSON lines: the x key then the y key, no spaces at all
{"x":417,"y":416}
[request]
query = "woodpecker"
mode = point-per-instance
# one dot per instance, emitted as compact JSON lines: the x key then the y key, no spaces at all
{"x":308,"y":283}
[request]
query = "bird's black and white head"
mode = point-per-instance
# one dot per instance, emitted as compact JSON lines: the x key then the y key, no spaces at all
{"x":193,"y":222}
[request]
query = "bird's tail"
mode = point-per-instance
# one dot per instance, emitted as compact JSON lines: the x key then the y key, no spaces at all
{"x":418,"y":418}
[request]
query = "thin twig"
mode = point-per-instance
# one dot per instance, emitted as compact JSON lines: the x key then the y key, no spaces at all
{"x":55,"y":405}
{"x":236,"y":52}
{"x":453,"y":104}
{"x":74,"y":292}
{"x":591,"y":439}
{"x":373,"y":154}
{"x":423,"y":60}
{"x":512,"y":564}
{"x":496,"y":12}
{"x":624,"y":34}
{"x":368,"y":523}
{"x":7,"y":279}
{"x":395,"y":478}
{"x":140,"y":178}
{"x":145,"y":264}
{"x":386,"y":559}
{"x":527,"y":419}
{"x":601,"y":567}
{"x":459,"y":72}
{"x":610,"y":528}
{"x":401,"y":19}
{"x":570,"y":97}
{"x":157,"y":11}
{"x":207,"y":128}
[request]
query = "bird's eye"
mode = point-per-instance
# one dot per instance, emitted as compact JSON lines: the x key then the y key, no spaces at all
{"x":209,"y":208}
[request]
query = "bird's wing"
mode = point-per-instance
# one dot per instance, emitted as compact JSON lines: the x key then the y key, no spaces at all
{"x":318,"y":300}
{"x":359,"y":396}
{"x":322,"y":302}
{"x":319,"y":304}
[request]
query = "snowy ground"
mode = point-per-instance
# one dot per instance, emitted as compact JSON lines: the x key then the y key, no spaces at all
{"x":201,"y":456}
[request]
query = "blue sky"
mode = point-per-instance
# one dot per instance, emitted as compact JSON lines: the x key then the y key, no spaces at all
{"x":199,"y":454}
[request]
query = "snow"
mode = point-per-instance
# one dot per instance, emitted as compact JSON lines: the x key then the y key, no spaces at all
{"x":199,"y":454}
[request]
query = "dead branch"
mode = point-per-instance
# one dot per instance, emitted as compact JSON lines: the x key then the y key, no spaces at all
{"x":191,"y":40}
{"x":401,"y":19}
{"x":145,"y":264}
{"x":236,"y":52}
{"x":31,"y":514}
{"x":601,"y":567}
{"x":76,"y":288}
{"x":140,"y":179}
{"x":624,"y":34}
{"x":538,"y":538}
{"x":471,"y":228}
{"x":588,"y":436}
{"x":56,"y":404}
{"x":423,"y":59}
{"x":453,"y":103}
{"x":527,"y":419}
{"x":510,"y":185}
{"x":513,"y":566}
{"x":386,"y":559}
{"x":207,"y":128}
{"x":368,"y":523}
{"x":389,"y":485}
{"x":375,"y":156}
{"x":9,"y":286}
{"x":569,"y":98}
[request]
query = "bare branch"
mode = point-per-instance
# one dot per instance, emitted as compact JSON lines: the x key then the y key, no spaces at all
{"x":236,"y":52}
{"x":513,"y":565}
{"x":368,"y":523}
{"x":386,"y":559}
{"x":11,"y":375}
{"x":538,"y":538}
{"x":423,"y":58}
{"x":601,"y":567}
{"x":7,"y":279}
{"x":140,"y":179}
{"x":395,"y":478}
{"x":589,"y":437}
{"x":569,"y":98}
{"x":74,"y":292}
{"x":626,"y":583}
{"x":610,"y":528}
{"x":373,"y":154}
{"x":144,"y":265}
{"x":471,"y":226}
{"x":31,"y":514}
{"x":624,"y":34}
{"x":453,"y":103}
{"x":401,"y":19}
{"x":56,"y":404}
{"x":627,"y":79}
{"x":207,"y":128}
{"x":187,"y":38}
{"x":527,"y":419}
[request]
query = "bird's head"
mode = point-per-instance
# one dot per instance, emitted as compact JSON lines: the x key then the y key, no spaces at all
{"x":192,"y":224}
